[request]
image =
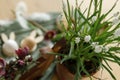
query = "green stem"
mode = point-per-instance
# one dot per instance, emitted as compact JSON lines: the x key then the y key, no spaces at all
{"x":89,"y":8}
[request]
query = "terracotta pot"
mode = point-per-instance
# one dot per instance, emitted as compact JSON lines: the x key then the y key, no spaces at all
{"x":64,"y":74}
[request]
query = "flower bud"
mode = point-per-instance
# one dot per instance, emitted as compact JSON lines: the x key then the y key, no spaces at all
{"x":22,"y":52}
{"x":98,"y":49}
{"x":77,"y":40}
{"x":87,"y":38}
{"x":21,"y":63}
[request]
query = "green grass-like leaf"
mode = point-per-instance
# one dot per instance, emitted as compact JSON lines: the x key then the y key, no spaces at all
{"x":109,"y":72}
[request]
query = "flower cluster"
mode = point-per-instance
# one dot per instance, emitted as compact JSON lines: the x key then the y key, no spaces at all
{"x":8,"y":71}
{"x":95,"y":45}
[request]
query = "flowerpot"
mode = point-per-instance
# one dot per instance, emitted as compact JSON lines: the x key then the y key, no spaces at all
{"x":68,"y":69}
{"x":64,"y":74}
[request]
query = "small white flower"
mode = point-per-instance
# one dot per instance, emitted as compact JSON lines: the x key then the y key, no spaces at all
{"x":94,"y":44}
{"x":98,"y":49}
{"x":117,"y":33}
{"x":77,"y":40}
{"x":115,"y":21}
{"x":87,"y":38}
{"x":106,"y":48}
{"x":116,"y":14}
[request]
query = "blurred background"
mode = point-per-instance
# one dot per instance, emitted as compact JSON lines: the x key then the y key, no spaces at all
{"x":8,"y":6}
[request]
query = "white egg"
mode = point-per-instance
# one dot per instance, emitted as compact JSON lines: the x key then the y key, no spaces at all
{"x":9,"y":48}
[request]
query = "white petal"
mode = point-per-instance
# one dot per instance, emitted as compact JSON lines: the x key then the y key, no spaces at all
{"x":77,"y":40}
{"x":106,"y":48}
{"x":87,"y":38}
{"x":98,"y":49}
{"x":116,"y":14}
{"x":94,"y":44}
{"x":115,"y":21}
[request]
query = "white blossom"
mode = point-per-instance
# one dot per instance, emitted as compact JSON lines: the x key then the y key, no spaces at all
{"x":117,"y":33}
{"x":116,"y":14}
{"x":94,"y":44}
{"x":106,"y":49}
{"x":98,"y":49}
{"x":77,"y":40}
{"x":115,"y":21}
{"x":87,"y":38}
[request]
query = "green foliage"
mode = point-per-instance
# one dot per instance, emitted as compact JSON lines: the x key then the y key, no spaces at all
{"x":84,"y":30}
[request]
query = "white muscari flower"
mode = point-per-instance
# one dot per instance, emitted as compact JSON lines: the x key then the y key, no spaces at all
{"x":87,"y":38}
{"x":116,"y":14}
{"x":115,"y":21}
{"x":106,"y":49}
{"x":117,"y":33}
{"x":98,"y":49}
{"x":77,"y":40}
{"x":94,"y":44}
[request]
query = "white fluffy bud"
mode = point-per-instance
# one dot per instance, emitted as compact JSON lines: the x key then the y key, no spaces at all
{"x":87,"y":38}
{"x":98,"y":49}
{"x":77,"y":40}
